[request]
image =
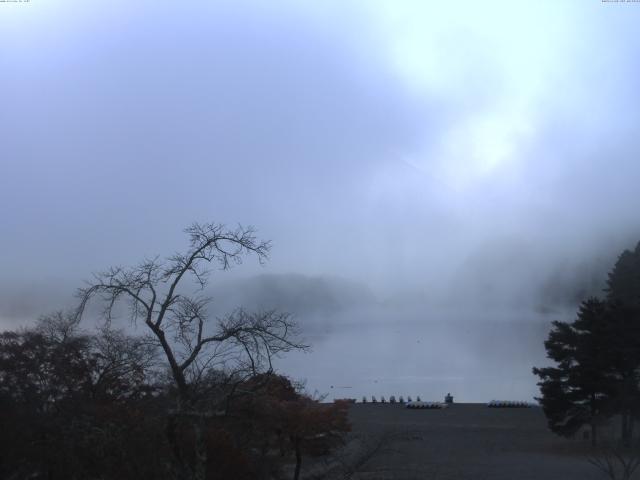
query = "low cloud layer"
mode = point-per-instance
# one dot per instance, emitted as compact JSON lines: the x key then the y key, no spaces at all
{"x":476,"y":157}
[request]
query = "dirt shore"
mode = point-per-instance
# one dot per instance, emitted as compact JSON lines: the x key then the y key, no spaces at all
{"x":465,"y":441}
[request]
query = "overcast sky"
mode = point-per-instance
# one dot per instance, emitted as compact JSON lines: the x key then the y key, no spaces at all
{"x":468,"y":152}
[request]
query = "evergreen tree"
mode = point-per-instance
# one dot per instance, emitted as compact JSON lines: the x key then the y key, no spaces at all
{"x":623,"y":356}
{"x":576,"y":392}
{"x":623,"y":294}
{"x":598,"y":358}
{"x":623,"y":284}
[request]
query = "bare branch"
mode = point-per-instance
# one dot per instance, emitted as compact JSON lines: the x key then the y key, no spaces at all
{"x":240,"y":344}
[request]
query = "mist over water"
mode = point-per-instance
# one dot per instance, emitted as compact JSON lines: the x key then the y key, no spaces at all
{"x":474,"y":361}
{"x":364,"y":346}
{"x":439,"y":181}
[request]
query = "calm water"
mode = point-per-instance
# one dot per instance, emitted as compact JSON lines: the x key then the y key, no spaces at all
{"x":476,"y":360}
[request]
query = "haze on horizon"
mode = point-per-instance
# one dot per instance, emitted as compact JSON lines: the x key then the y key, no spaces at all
{"x":425,"y":171}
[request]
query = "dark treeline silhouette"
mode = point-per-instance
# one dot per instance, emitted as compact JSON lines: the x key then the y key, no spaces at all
{"x":597,"y":375}
{"x":80,"y":406}
{"x":192,"y":398}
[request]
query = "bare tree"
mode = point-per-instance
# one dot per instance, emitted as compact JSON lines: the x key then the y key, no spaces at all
{"x":616,"y":461}
{"x":121,"y":365}
{"x":122,"y":359}
{"x":58,"y":326}
{"x":167,"y":296}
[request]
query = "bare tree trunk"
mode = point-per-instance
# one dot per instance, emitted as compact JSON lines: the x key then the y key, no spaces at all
{"x":172,"y":437}
{"x":626,"y":441}
{"x":281,"y":440}
{"x":150,"y":290}
{"x":296,"y":474}
{"x":594,"y":416}
{"x":200,"y":450}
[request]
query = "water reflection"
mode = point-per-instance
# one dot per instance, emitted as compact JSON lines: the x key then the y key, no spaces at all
{"x":476,"y":360}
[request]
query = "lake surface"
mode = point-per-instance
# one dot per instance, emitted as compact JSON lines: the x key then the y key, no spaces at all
{"x":475,"y":360}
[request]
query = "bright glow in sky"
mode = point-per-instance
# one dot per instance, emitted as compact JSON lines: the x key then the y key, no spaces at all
{"x":422,"y":125}
{"x":496,"y":58}
{"x":455,"y":157}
